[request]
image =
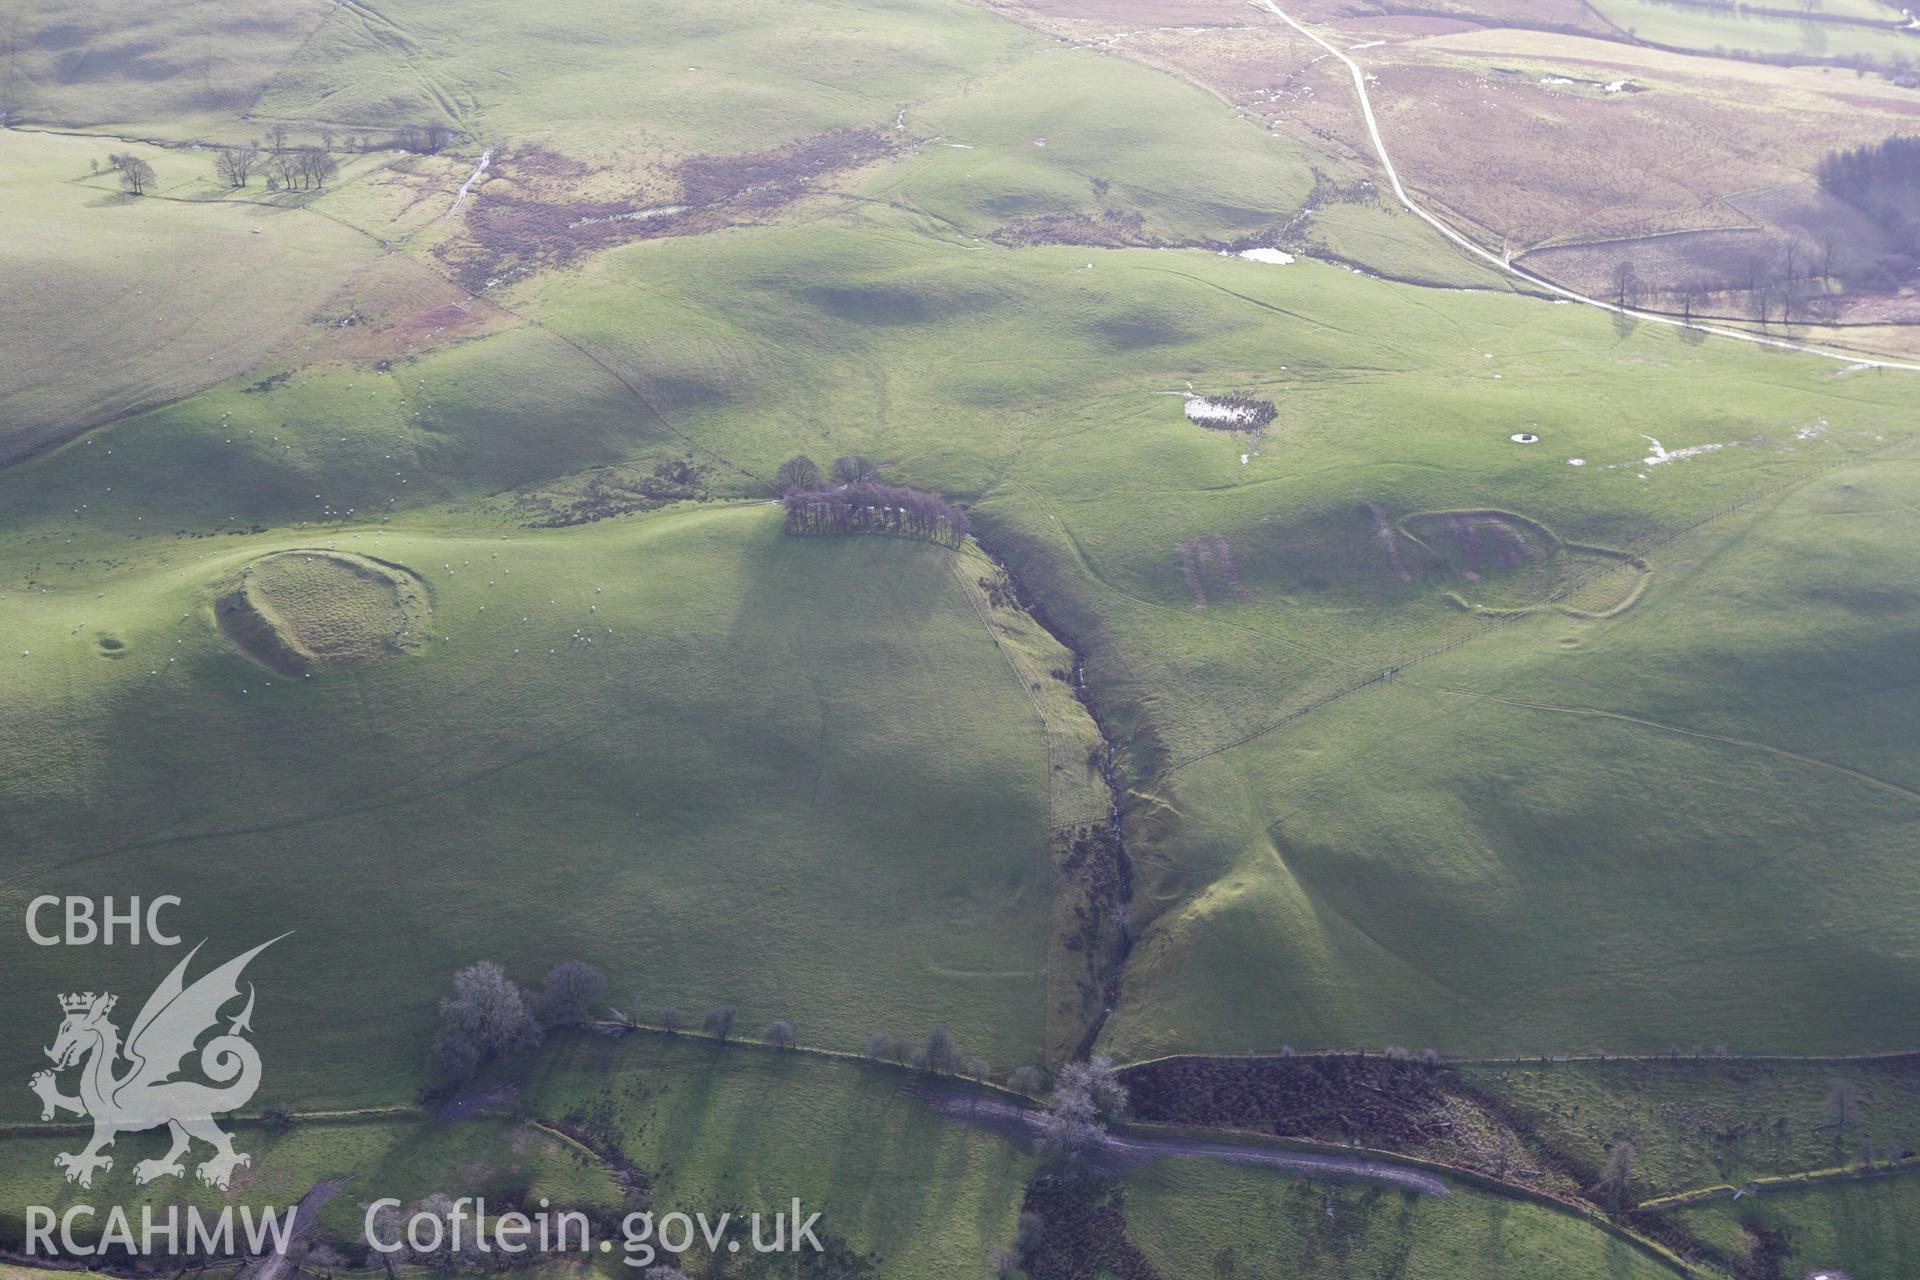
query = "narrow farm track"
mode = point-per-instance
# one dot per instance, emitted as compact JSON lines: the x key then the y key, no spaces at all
{"x":1118,"y":1152}
{"x":1540,"y":282}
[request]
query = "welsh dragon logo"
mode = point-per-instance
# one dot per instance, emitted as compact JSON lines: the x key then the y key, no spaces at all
{"x":144,"y":1094}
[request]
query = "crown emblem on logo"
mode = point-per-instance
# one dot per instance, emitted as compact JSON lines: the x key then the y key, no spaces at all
{"x":80,"y":1003}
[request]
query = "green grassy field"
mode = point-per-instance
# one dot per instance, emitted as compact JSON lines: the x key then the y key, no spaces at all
{"x":666,"y":80}
{"x":793,"y":776}
{"x":1703,"y":1123}
{"x":903,"y":352}
{"x":133,"y":303}
{"x":747,"y":1129}
{"x":754,"y":1129}
{"x":1604,"y":825}
{"x":1707,"y":30}
{"x":409,"y":1158}
{"x":1185,"y":1215}
{"x":174,"y":68}
{"x":714,"y":1129}
{"x":1859,"y":1228}
{"x":1671,"y":801}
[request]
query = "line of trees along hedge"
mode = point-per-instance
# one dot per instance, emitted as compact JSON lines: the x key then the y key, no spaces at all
{"x":875,"y":508}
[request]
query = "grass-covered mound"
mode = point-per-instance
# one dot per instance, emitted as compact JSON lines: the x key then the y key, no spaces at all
{"x":791,"y":775}
{"x":297,"y":611}
{"x":1661,"y":827}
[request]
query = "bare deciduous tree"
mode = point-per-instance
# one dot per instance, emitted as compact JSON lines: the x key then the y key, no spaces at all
{"x":854,"y":469}
{"x":1626,"y":284}
{"x":1692,"y":297}
{"x":1086,"y":1097}
{"x":300,"y":168}
{"x":671,"y":1021}
{"x":941,"y":1054}
{"x":1614,"y":1177}
{"x":1025,"y":1080}
{"x":317,"y":167}
{"x":1099,"y":1080}
{"x":568,"y":994}
{"x":797,"y":472}
{"x":235,"y":165}
{"x":136,"y":175}
{"x":779,"y":1034}
{"x":485,"y":1016}
{"x":1842,"y":1105}
{"x":1069,"y":1126}
{"x":719,"y":1022}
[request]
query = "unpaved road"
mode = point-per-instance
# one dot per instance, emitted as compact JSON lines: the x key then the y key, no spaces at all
{"x":1119,"y":1153}
{"x":1501,"y":264}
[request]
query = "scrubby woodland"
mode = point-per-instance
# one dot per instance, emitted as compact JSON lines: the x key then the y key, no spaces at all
{"x":1883,"y":182}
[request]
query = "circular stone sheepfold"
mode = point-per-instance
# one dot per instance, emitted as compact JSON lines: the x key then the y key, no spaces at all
{"x":308,"y":610}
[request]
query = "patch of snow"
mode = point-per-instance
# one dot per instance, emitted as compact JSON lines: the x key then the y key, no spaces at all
{"x":1813,"y":432}
{"x":1039,"y":142}
{"x":1555,"y":80}
{"x":1201,"y":409}
{"x":486,"y":158}
{"x":1278,"y":257}
{"x":638,"y":215}
{"x":1662,"y":455}
{"x":1576,"y":462}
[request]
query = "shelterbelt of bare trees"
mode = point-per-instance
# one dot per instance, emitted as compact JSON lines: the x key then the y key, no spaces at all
{"x":306,"y":167}
{"x":875,"y":508}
